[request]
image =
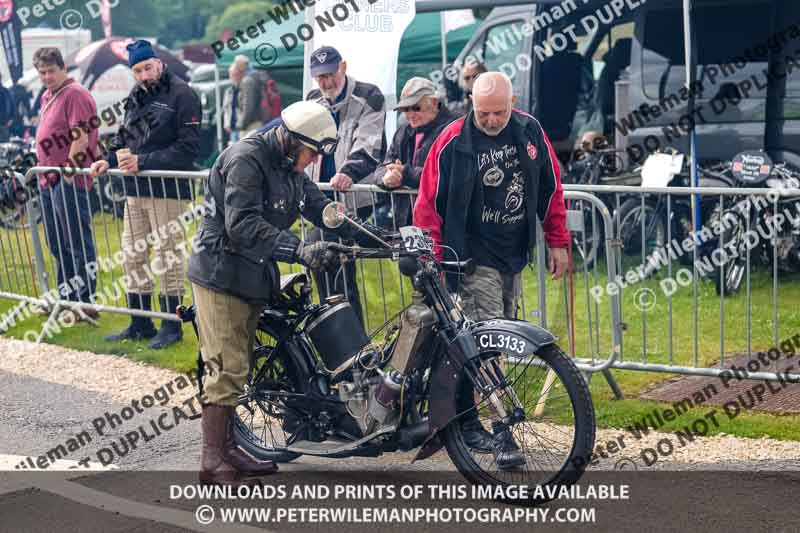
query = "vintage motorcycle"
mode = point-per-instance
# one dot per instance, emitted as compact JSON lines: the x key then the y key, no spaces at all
{"x":320,"y":386}
{"x":779,"y":242}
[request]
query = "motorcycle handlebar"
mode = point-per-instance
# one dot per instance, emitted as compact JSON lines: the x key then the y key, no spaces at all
{"x":458,"y":267}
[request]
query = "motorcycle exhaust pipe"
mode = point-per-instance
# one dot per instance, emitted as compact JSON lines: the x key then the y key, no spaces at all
{"x":410,"y":437}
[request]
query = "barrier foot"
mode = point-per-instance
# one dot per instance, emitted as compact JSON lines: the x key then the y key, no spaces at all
{"x":618,"y":395}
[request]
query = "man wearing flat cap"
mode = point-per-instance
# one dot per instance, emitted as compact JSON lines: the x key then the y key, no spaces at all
{"x":161,"y":131}
{"x":359,"y":111}
{"x":426,"y":117}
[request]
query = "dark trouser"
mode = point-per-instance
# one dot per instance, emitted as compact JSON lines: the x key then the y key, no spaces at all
{"x":67,"y":221}
{"x":333,"y":281}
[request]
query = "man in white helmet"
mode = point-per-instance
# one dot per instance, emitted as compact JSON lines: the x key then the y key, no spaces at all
{"x":260,"y":190}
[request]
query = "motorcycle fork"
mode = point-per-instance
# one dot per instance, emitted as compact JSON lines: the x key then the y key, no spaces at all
{"x":490,"y":378}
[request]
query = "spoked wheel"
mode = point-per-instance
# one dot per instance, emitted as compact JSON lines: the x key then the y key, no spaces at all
{"x":548,"y":434}
{"x":268,"y":416}
{"x":630,"y":227}
{"x":733,"y":238}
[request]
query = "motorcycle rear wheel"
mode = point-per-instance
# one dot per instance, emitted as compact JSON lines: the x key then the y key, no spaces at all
{"x":556,"y":443}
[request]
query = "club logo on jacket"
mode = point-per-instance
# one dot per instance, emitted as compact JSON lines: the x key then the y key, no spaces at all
{"x":493,"y":177}
{"x":533,"y":153}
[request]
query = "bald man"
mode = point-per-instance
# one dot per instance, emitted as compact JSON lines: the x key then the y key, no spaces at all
{"x":486,"y":179}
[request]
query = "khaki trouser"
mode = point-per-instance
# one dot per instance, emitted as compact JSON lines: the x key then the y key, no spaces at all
{"x":153,"y":223}
{"x":489,"y":294}
{"x":227,"y":327}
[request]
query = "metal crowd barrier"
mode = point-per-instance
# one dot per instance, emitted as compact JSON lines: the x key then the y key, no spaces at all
{"x":651,"y":342}
{"x":35,"y":247}
{"x":597,"y":334}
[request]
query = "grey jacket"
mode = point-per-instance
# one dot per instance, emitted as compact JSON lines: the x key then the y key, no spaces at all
{"x":362,"y":136}
{"x":247,"y":111}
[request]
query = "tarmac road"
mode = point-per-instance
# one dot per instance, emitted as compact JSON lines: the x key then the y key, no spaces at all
{"x":37,"y":416}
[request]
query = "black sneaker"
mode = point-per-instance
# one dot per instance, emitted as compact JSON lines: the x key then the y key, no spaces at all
{"x":505,"y":449}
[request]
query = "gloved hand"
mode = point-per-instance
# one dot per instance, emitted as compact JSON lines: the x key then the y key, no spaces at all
{"x":317,"y":255}
{"x":286,"y":247}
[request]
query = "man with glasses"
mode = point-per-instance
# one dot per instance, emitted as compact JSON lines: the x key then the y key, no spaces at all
{"x":260,"y":190}
{"x":359,"y":111}
{"x":426,"y":117}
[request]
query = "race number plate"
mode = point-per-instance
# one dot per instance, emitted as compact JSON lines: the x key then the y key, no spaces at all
{"x":414,"y":239}
{"x":502,"y":342}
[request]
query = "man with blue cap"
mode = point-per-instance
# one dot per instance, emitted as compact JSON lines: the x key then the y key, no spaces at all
{"x":161,"y":131}
{"x":359,"y":110}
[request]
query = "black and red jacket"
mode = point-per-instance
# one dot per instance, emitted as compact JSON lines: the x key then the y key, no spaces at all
{"x":450,"y":191}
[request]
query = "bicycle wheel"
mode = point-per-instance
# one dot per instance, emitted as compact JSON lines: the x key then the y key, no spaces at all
{"x":551,"y":421}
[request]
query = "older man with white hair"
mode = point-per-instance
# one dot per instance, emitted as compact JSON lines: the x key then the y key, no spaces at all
{"x":486,"y":179}
{"x":240,"y":105}
{"x":426,"y":117}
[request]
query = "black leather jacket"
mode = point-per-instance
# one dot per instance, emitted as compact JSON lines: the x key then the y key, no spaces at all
{"x":256,"y":194}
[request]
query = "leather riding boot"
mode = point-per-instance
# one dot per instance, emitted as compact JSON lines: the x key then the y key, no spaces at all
{"x":240,"y":459}
{"x":215,"y":468}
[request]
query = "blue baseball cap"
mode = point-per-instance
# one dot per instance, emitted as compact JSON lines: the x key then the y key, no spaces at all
{"x":324,"y":60}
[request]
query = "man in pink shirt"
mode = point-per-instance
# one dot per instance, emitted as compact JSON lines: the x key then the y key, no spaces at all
{"x":67,"y":138}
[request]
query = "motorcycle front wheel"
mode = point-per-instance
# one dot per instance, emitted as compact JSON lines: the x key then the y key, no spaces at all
{"x":548,"y":432}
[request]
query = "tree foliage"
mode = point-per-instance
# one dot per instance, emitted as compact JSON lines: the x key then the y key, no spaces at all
{"x":237,"y":16}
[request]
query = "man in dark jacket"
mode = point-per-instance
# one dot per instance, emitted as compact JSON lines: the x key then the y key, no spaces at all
{"x":487,"y":178}
{"x":426,"y":117}
{"x":161,"y":131}
{"x":260,"y":190}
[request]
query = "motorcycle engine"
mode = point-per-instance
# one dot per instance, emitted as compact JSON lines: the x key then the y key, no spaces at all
{"x":372,"y":397}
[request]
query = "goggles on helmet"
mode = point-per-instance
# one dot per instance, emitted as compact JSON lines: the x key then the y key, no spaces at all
{"x":326,"y":146}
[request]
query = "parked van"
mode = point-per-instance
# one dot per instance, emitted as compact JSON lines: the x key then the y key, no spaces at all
{"x":618,"y":67}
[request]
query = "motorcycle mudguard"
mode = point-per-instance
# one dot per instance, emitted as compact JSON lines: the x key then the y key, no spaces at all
{"x":514,"y":337}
